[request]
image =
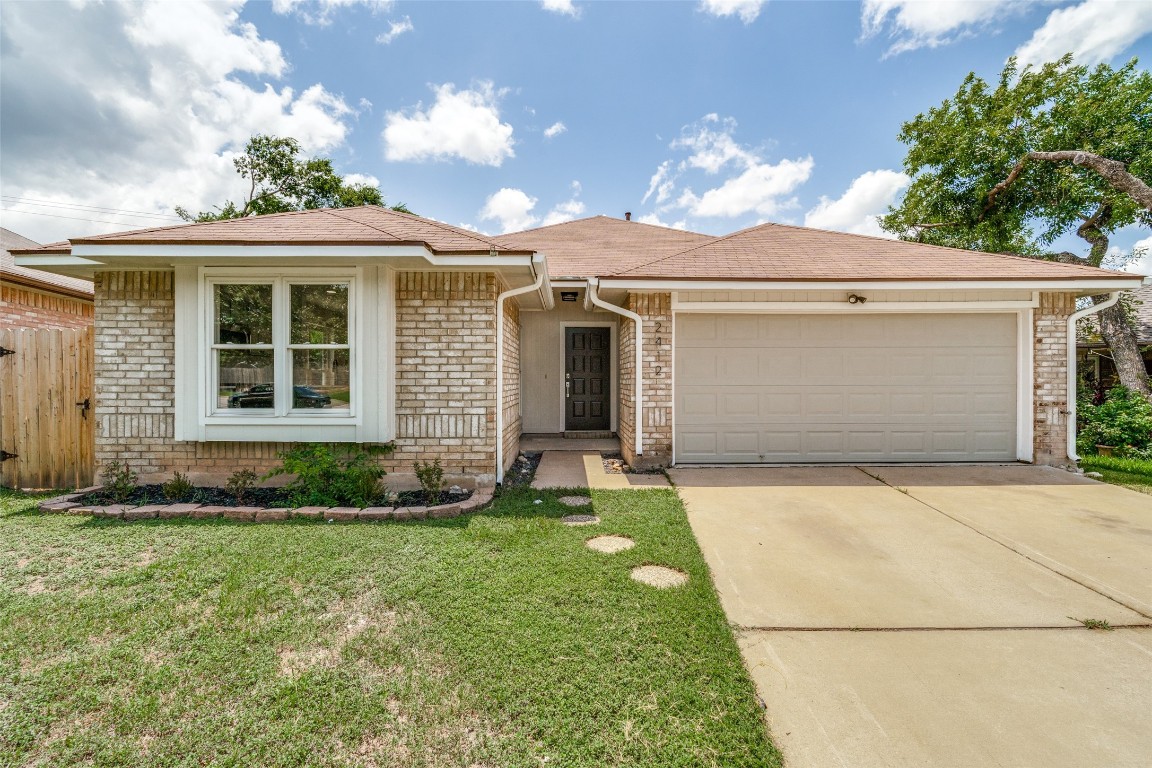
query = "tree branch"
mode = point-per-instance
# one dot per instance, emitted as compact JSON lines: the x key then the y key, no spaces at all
{"x":1112,"y":171}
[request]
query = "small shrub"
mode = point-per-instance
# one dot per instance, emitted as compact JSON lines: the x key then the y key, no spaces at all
{"x":325,"y":479}
{"x":1123,"y":420}
{"x":119,"y":481}
{"x":431,"y":478}
{"x":240,"y":482}
{"x":179,"y":487}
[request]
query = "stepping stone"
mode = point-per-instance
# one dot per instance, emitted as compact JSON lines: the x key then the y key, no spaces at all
{"x":659,"y":576}
{"x":580,"y":520}
{"x":610,"y":545}
{"x":575,"y":501}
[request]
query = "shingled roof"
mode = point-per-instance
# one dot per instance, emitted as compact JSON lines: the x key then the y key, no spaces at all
{"x":781,"y":252}
{"x":362,"y":225}
{"x":601,"y":245}
{"x":35,"y":278}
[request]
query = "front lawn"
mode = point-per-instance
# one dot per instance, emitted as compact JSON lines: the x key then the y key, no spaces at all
{"x":1130,"y":473}
{"x":491,"y":640}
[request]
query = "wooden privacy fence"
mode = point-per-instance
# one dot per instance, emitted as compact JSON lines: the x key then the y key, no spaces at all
{"x":47,"y":428}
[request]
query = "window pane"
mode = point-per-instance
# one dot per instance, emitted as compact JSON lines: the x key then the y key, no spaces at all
{"x":245,"y":378}
{"x":320,"y":379}
{"x":320,"y":314}
{"x":243,"y":314}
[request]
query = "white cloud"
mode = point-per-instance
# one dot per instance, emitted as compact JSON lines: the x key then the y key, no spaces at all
{"x":395,"y":29}
{"x":913,"y":24}
{"x":856,"y":210}
{"x":713,"y":148}
{"x":366,"y":179}
{"x":653,"y":219}
{"x":464,"y":124}
{"x":320,"y":12}
{"x":660,"y":183}
{"x":157,"y":117}
{"x":554,"y":130}
{"x":511,"y":207}
{"x":759,"y":189}
{"x":747,"y":10}
{"x":567,"y":210}
{"x":563,"y":7}
{"x":1142,"y":264}
{"x":1095,"y":31}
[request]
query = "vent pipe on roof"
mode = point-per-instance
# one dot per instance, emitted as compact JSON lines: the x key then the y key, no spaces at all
{"x":627,"y":215}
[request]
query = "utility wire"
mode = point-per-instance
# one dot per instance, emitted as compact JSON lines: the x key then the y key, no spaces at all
{"x":86,"y":208}
{"x":77,"y":218}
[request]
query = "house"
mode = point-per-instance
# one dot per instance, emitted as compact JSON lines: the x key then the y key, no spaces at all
{"x":31,"y":298}
{"x":1094,"y":358}
{"x":219,"y":343}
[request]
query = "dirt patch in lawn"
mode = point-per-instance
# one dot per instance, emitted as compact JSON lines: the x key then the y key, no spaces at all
{"x":349,"y":619}
{"x":659,"y":576}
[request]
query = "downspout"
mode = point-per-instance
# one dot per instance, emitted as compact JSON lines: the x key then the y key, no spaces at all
{"x":541,"y":276}
{"x":635,"y":318}
{"x":1113,"y":297}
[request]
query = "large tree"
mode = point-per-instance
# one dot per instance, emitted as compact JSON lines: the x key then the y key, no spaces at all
{"x":281,"y":179}
{"x":1048,"y":151}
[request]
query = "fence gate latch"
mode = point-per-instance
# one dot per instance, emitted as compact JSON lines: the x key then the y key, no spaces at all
{"x":6,"y":351}
{"x":84,"y":405}
{"x":4,"y":456}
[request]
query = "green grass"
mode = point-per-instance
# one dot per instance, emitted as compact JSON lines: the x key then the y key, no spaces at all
{"x":491,"y":640}
{"x":1130,"y":473}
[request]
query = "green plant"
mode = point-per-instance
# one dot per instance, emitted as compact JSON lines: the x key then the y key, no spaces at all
{"x":324,"y":478}
{"x":240,"y":482}
{"x":179,"y":487}
{"x":431,"y":477}
{"x":1094,"y":623}
{"x":1123,"y":420}
{"x":119,"y":481}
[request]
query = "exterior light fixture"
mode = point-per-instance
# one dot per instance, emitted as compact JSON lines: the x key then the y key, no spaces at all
{"x":854,"y":299}
{"x":568,"y":295}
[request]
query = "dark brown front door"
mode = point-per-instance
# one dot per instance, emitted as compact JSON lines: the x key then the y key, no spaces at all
{"x":586,"y":378}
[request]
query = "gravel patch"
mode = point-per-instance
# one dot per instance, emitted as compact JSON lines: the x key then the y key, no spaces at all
{"x":575,"y":501}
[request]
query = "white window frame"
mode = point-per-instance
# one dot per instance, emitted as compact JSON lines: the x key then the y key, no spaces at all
{"x":370,"y":306}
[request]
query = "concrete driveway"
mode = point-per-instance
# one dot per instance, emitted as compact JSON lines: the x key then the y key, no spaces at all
{"x":929,"y":616}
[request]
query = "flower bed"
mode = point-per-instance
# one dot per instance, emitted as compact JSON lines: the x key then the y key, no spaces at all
{"x":146,"y":504}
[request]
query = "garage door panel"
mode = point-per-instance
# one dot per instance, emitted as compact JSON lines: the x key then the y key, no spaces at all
{"x":810,"y":388}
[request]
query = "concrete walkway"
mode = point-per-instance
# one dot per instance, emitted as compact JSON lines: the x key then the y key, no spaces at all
{"x":923,"y":616}
{"x":585,"y":469}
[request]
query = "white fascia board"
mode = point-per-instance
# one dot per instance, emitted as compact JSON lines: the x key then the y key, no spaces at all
{"x":106,"y":254}
{"x":55,"y":260}
{"x":888,"y":285}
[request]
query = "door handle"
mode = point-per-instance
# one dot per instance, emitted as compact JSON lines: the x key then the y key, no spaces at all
{"x":567,"y":390}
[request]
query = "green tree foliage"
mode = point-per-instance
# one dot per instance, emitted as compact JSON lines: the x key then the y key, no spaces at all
{"x":1123,"y":420}
{"x":281,"y":179}
{"x":980,"y":177}
{"x":1046,"y":152}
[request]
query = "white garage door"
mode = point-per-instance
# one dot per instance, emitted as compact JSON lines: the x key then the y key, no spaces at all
{"x":845,"y":388}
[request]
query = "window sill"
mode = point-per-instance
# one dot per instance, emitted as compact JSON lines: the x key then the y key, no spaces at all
{"x":285,"y":430}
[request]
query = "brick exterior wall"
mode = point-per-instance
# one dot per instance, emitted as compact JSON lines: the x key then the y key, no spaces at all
{"x":1050,"y":378}
{"x":23,"y":307}
{"x":656,"y":311}
{"x":511,"y":385}
{"x":445,"y":381}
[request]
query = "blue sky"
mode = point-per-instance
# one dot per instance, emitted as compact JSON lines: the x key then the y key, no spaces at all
{"x":712,"y":115}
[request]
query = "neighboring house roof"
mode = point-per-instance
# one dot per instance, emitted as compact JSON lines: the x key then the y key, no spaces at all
{"x":600,"y":245}
{"x":780,"y":252}
{"x":1088,"y":332}
{"x":35,"y":278}
{"x":361,"y":225}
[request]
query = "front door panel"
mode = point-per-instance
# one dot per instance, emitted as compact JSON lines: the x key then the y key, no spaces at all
{"x":586,"y":378}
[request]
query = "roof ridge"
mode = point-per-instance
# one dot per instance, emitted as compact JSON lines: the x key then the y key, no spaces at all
{"x":714,"y":240}
{"x":607,"y":218}
{"x":191,"y":224}
{"x":445,"y":226}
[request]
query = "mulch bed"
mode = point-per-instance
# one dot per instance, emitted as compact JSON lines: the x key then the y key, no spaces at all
{"x":255,"y":497}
